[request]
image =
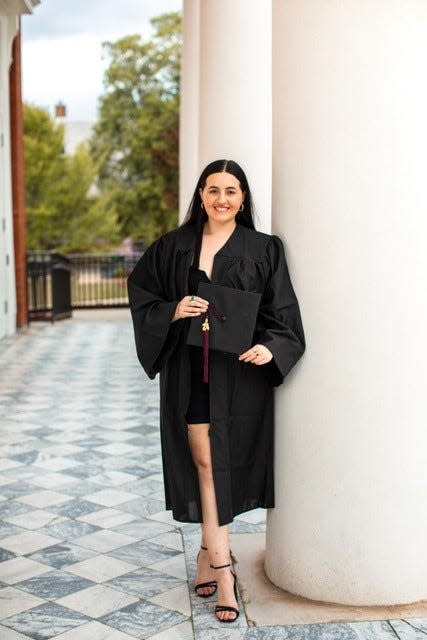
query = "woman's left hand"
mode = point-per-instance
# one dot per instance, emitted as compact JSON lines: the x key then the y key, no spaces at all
{"x":258,"y":354}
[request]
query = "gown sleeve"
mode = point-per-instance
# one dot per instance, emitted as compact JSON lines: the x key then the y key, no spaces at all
{"x":279,"y":324}
{"x":155,"y":334}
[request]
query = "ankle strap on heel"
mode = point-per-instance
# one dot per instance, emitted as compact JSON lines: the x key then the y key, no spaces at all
{"x":222,"y":566}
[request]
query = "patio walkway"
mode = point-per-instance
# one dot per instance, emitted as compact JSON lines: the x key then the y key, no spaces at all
{"x":87,"y":550}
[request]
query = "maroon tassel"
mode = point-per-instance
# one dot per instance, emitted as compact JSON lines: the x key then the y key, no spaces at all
{"x":205,"y":329}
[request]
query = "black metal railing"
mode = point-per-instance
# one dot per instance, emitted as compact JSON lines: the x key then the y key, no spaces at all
{"x":99,"y":280}
{"x":48,"y":285}
{"x":57,"y":283}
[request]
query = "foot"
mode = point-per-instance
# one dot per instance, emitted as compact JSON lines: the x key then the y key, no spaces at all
{"x":204,"y":574}
{"x":226,"y":595}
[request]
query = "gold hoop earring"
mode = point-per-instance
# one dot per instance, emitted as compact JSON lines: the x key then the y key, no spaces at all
{"x":242,"y":206}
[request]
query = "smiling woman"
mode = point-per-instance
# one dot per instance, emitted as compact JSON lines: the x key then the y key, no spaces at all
{"x":217,"y":436}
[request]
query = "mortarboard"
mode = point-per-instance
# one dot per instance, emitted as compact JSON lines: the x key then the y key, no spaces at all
{"x":229,"y":323}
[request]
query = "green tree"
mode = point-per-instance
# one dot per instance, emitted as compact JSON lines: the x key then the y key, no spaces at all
{"x":135,"y":142}
{"x":61,"y":212}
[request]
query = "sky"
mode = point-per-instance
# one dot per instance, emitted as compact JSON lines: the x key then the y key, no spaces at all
{"x":62,"y":48}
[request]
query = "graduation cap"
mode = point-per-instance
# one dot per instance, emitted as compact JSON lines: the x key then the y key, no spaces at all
{"x":228,"y":324}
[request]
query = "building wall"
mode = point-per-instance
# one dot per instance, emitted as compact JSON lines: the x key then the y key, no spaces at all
{"x":8,"y":28}
{"x":10,"y":11}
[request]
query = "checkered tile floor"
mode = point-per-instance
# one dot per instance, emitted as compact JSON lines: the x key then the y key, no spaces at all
{"x":87,"y":550}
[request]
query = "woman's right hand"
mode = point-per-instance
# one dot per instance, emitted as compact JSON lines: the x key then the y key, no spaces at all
{"x":190,"y":307}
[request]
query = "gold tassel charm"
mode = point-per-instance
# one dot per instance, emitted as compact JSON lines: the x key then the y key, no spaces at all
{"x":205,"y":325}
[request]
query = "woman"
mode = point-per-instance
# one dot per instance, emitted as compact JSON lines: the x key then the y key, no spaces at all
{"x":216,"y":436}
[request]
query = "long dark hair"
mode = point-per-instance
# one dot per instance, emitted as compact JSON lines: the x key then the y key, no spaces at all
{"x":197,"y":216}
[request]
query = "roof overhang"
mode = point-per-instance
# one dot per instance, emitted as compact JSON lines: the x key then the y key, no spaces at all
{"x":17,"y":7}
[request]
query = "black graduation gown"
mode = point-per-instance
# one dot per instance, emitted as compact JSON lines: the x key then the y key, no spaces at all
{"x":241,"y":394}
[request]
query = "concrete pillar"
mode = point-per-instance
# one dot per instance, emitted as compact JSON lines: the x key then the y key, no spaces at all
{"x":8,"y":28}
{"x":350,"y":198}
{"x":228,"y":113}
{"x":189,"y":105}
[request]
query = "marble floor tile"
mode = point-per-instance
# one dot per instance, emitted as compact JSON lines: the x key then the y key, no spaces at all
{"x":62,"y":554}
{"x":172,"y":540}
{"x":143,"y":528}
{"x":93,"y":630}
{"x":182,"y":631}
{"x":7,"y":463}
{"x":33,"y":519}
{"x":165,"y":516}
{"x":108,"y":518}
{"x":110,"y":497}
{"x":7,"y":529}
{"x":113,"y":478}
{"x":176,"y":599}
{"x":254,"y":516}
{"x":97,"y":600}
{"x":101,"y":568}
{"x":12,"y":507}
{"x":146,"y":582}
{"x":76,"y":488}
{"x":20,"y":568}
{"x":174,"y":566}
{"x":49,"y":480}
{"x":4,"y":480}
{"x":11,"y":634}
{"x":13,"y":601}
{"x":58,"y":463}
{"x":408,"y":630}
{"x":118,"y":448}
{"x":104,"y":540}
{"x":417,"y":623}
{"x":44,"y":498}
{"x":142,"y":619}
{"x":228,"y":632}
{"x":143,"y":553}
{"x":23,"y":543}
{"x":239,"y":526}
{"x":6,"y":555}
{"x":62,"y":450}
{"x":54,"y":584}
{"x":66,"y":529}
{"x":75,"y":508}
{"x":142,"y":507}
{"x":204,"y":617}
{"x":45,"y":621}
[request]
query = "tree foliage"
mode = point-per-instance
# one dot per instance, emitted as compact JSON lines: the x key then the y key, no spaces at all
{"x":135,"y":142}
{"x":61,"y":213}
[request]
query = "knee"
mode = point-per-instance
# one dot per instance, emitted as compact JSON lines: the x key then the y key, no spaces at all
{"x":203,"y":464}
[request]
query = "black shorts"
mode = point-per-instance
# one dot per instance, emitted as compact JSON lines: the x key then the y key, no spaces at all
{"x":198,"y":409}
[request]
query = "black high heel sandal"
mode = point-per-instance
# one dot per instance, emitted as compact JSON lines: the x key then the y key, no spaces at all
{"x":223,"y":607}
{"x":202,"y":585}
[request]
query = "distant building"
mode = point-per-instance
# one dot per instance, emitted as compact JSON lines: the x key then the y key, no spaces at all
{"x":13,"y":297}
{"x":76,"y":131}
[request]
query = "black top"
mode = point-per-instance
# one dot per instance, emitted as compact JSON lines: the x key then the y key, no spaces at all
{"x":194,"y":277}
{"x":196,"y":353}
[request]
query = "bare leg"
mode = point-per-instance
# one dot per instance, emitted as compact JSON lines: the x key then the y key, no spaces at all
{"x":214,"y":537}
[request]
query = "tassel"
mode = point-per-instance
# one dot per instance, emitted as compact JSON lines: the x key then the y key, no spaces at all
{"x":205,"y":329}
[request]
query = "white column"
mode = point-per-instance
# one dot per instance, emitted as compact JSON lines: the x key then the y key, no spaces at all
{"x":189,"y":106}
{"x":8,"y":29}
{"x":232,"y":118}
{"x":350,"y":197}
